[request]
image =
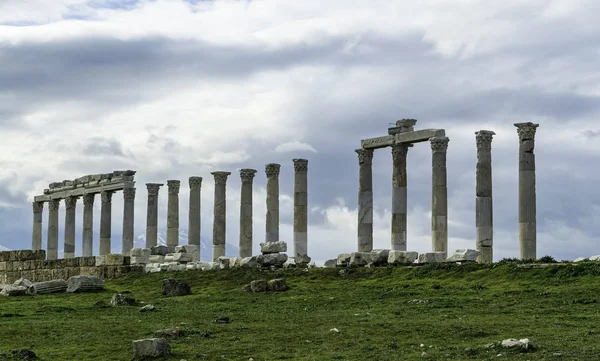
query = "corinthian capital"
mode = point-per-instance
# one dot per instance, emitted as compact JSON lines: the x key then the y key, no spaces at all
{"x":439,"y":144}
{"x":221,"y":177}
{"x":153,"y":188}
{"x":526,"y":131}
{"x":364,"y":155}
{"x":88,"y":199}
{"x":272,"y":170}
{"x":483,"y":139}
{"x":71,"y":202}
{"x":399,"y":151}
{"x":106,"y":196}
{"x":195,"y":182}
{"x":247,"y":175}
{"x":38,"y":207}
{"x":54,"y":204}
{"x":173,"y":186}
{"x":129,"y":194}
{"x":300,"y":165}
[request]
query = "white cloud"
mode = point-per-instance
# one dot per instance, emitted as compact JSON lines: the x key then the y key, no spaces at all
{"x":294,"y":146}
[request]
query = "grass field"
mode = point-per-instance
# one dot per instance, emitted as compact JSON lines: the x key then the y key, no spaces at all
{"x":443,"y":312}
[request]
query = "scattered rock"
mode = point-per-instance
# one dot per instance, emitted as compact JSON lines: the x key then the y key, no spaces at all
{"x":334,"y":330}
{"x":147,"y":308}
{"x":170,"y":333}
{"x":432,"y":257}
{"x":343,"y":259}
{"x":464,"y":255}
{"x":524,"y":343}
{"x":120,"y":300}
{"x":249,"y":262}
{"x":358,"y":259}
{"x":223,"y":262}
{"x":223,"y":319}
{"x":161,"y":250}
{"x":330,"y":263}
{"x":258,"y":286}
{"x":84,"y":284}
{"x":277,"y":285}
{"x":42,"y":288}
{"x":151,"y":347}
{"x":272,"y":259}
{"x":402,"y":257}
{"x":14,"y":291}
{"x":379,"y":257}
{"x":23,"y":354}
{"x":247,"y":288}
{"x":173,"y":287}
{"x":273,"y":247}
{"x":22,"y":282}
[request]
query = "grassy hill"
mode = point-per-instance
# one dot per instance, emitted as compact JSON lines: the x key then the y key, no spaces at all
{"x":443,"y":312}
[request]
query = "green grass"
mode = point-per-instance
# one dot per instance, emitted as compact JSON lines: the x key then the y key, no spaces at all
{"x":381,"y":314}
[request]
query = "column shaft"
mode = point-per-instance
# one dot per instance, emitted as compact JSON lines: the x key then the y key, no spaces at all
{"x":105,"y":222}
{"x":52,"y":244}
{"x":399,"y":196}
{"x":36,"y":234}
{"x":272,"y":216}
{"x":439,"y":195}
{"x":194,"y":220}
{"x":246,"y":226}
{"x":220,"y":214}
{"x":128,"y":220}
{"x":365,"y":200}
{"x":300,"y":208}
{"x":483,"y":203}
{"x":87,"y":247}
{"x":70,"y":207}
{"x":152,"y":214}
{"x":173,"y":213}
{"x":527,"y":193}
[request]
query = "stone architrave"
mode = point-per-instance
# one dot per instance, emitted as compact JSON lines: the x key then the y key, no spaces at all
{"x":439,"y":194}
{"x":152,"y":214}
{"x":365,"y":200}
{"x":246,"y":227}
{"x":52,"y":246}
{"x":105,"y":222}
{"x":220,"y":214}
{"x":36,"y":235}
{"x":194,"y":211}
{"x":272,"y":216}
{"x":128,"y":220}
{"x":70,"y":211}
{"x":87,"y":246}
{"x":399,"y":196}
{"x":484,"y":220}
{"x":173,"y":213}
{"x":300,"y":208}
{"x":527,"y":194}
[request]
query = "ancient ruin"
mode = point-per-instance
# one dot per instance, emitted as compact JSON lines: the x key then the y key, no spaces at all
{"x":527,"y":198}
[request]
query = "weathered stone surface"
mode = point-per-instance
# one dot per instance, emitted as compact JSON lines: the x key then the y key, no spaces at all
{"x":84,"y":284}
{"x":379,"y":257}
{"x":302,"y":260}
{"x":140,"y":252}
{"x":524,"y":343}
{"x":258,"y":286}
{"x":22,"y":282}
{"x":151,"y":347}
{"x":161,"y":250}
{"x":157,"y":259}
{"x":432,"y":257}
{"x":402,"y":257}
{"x":223,"y":262}
{"x":249,"y":262}
{"x":219,"y":214}
{"x":463,"y":255}
{"x":277,"y":285}
{"x":290,"y":263}
{"x":343,"y":259}
{"x":358,"y":259}
{"x":182,"y":257}
{"x":122,"y":300}
{"x":273,"y":247}
{"x":235,"y":262}
{"x":45,"y":287}
{"x":22,"y":255}
{"x":140,"y":260}
{"x":11,"y":290}
{"x":147,"y":308}
{"x":112,"y":260}
{"x":330,"y":263}
{"x":272,"y":259}
{"x":190,"y":249}
{"x":173,"y":287}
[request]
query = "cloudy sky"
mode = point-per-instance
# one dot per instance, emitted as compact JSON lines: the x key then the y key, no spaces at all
{"x":175,"y":88}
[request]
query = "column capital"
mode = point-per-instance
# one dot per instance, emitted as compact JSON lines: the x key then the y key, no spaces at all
{"x":247,"y":175}
{"x":173,"y":186}
{"x":439,"y":144}
{"x":272,"y":170}
{"x":400,"y":150}
{"x":88,"y":199}
{"x":526,"y":131}
{"x":220,"y":177}
{"x":54,"y":204}
{"x":106,"y":196}
{"x":129,"y":194}
{"x":300,"y":165}
{"x":195,"y":182}
{"x":483,"y":139}
{"x":38,"y":207}
{"x":364,"y":155}
{"x":71,"y":202}
{"x":153,"y":188}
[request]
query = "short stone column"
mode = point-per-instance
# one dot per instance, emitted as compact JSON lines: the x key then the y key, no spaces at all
{"x":301,"y":211}
{"x":484,"y":219}
{"x":128,"y":220}
{"x":87,"y":247}
{"x":70,"y":208}
{"x":272,"y":216}
{"x":246,"y":227}
{"x":365,"y":200}
{"x":399,"y":196}
{"x":52,"y":244}
{"x":152,"y":214}
{"x":439,"y":195}
{"x":105,"y":221}
{"x":220,"y":214}
{"x":36,"y":234}
{"x":194,"y":221}
{"x":527,"y":195}
{"x":173,"y":213}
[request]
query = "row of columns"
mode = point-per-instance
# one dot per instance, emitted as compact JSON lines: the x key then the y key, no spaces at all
{"x":88,"y":215}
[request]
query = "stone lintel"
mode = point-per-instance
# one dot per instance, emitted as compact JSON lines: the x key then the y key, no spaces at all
{"x":82,"y":191}
{"x":379,"y":142}
{"x":417,"y":136}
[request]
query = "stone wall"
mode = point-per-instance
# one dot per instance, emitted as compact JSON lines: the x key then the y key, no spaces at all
{"x":33,"y":266}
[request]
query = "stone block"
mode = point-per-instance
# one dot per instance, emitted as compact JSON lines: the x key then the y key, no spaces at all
{"x":402,"y":257}
{"x":182,"y":257}
{"x":302,"y":260}
{"x":432,"y":257}
{"x":169,"y":257}
{"x":273,"y":247}
{"x":174,"y":287}
{"x":140,"y":259}
{"x":272,"y":259}
{"x":464,"y":255}
{"x":359,"y":259}
{"x":379,"y":257}
{"x":140,"y":252}
{"x":22,"y":255}
{"x":258,"y":286}
{"x":330,"y":263}
{"x":343,"y":259}
{"x":84,"y":284}
{"x":11,"y":290}
{"x":112,"y":260}
{"x":4,"y":266}
{"x":224,"y":262}
{"x":192,"y":249}
{"x":46,"y":287}
{"x":235,"y":262}
{"x":161,"y":250}
{"x":277,"y":285}
{"x":249,"y":262}
{"x":157,"y":259}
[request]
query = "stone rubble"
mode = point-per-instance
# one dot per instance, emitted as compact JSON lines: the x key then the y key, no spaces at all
{"x":173,"y":287}
{"x":151,"y":347}
{"x":84,"y":284}
{"x":46,"y":287}
{"x":464,"y":255}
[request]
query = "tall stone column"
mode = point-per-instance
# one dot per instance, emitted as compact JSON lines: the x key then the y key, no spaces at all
{"x":301,"y":210}
{"x":52,"y":246}
{"x":220,"y":214}
{"x":246,"y":227}
{"x":527,"y":196}
{"x":152,"y":214}
{"x":128,"y":220}
{"x":484,"y":219}
{"x":105,"y":221}
{"x":194,"y":211}
{"x":399,"y":196}
{"x":173,"y":213}
{"x":69,"y":246}
{"x":272,"y":217}
{"x":36,"y":234}
{"x":439,"y":195}
{"x":365,"y":200}
{"x":87,"y":248}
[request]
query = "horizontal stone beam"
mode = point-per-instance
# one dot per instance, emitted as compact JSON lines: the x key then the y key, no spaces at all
{"x":379,"y":142}
{"x":87,"y":190}
{"x":417,"y":136}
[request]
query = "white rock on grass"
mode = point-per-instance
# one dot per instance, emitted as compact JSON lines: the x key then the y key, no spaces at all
{"x":402,"y":257}
{"x":379,"y":257}
{"x":464,"y":255}
{"x":523,"y":343}
{"x":359,"y":259}
{"x":432,"y":257}
{"x":343,"y":259}
{"x":249,"y":262}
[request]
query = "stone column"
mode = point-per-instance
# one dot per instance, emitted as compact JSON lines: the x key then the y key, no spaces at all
{"x":272,"y":217}
{"x":52,"y":246}
{"x":87,"y":248}
{"x":194,"y":211}
{"x":527,"y":196}
{"x":365,"y":200}
{"x":439,"y":195}
{"x":399,"y":196}
{"x":70,"y":207}
{"x":105,"y":221}
{"x":173,"y":213}
{"x":484,"y":219}
{"x":128,"y":220}
{"x":246,"y":227}
{"x":152,"y":214}
{"x":301,"y":210}
{"x":220,"y":214}
{"x":36,"y":234}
